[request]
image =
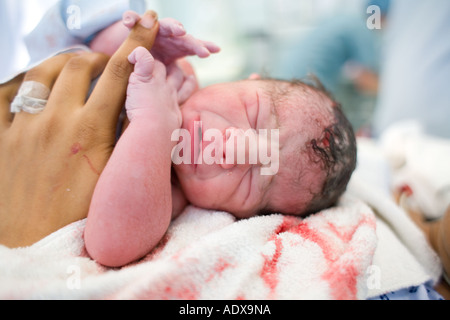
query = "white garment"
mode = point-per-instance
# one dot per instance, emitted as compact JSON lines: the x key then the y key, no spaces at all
{"x":38,"y":30}
{"x":17,"y":18}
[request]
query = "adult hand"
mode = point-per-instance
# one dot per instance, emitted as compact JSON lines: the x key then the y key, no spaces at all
{"x":50,"y":162}
{"x":437,"y":233}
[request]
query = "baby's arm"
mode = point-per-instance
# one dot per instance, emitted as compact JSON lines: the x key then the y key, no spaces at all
{"x":132,"y":205}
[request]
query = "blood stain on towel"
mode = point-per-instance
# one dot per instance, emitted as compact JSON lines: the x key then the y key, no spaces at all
{"x":346,"y":233}
{"x":342,"y":275}
{"x":220,"y":266}
{"x":181,"y":290}
{"x":343,"y":281}
{"x":341,"y":278}
{"x":269,"y":272}
{"x":308,"y":233}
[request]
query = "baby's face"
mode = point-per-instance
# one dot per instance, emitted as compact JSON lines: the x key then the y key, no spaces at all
{"x":241,"y":188}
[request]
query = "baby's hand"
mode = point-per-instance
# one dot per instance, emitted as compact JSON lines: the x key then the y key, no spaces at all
{"x":172,"y":42}
{"x":155,"y":91}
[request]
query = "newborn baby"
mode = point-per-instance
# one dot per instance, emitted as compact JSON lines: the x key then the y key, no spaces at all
{"x":141,"y":190}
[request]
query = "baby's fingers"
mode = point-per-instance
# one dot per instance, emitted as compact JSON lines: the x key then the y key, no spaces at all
{"x":169,"y":27}
{"x":130,"y":18}
{"x":184,"y":85}
{"x":109,"y":94}
{"x":202,"y":49}
{"x":175,"y":76}
{"x":187,"y":89}
{"x":212,"y":47}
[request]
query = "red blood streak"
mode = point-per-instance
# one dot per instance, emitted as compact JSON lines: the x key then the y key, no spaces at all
{"x":269,"y":272}
{"x":343,"y":281}
{"x":220,"y":266}
{"x":310,"y":234}
{"x":326,"y":140}
{"x":341,"y":276}
{"x":407,"y":190}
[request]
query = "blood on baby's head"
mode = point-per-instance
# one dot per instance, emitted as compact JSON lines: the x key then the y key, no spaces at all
{"x":321,"y":156}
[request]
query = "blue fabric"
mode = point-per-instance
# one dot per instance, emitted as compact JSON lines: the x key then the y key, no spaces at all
{"x":422,"y":292}
{"x":96,"y":15}
{"x":416,"y":69}
{"x":324,"y":50}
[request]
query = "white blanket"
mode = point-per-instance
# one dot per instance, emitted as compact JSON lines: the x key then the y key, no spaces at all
{"x":209,"y":255}
{"x":363,"y":247}
{"x":420,"y":163}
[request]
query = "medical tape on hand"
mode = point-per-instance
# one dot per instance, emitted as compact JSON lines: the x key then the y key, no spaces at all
{"x":31,"y":98}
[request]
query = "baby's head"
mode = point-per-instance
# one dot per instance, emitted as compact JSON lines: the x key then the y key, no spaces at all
{"x":321,"y":147}
{"x":316,"y":148}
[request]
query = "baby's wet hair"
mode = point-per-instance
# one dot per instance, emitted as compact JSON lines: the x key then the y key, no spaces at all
{"x":334,"y":150}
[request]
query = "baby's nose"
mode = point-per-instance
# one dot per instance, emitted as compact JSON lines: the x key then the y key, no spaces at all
{"x":240,"y":148}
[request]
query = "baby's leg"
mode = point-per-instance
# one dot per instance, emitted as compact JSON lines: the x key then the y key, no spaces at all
{"x":132,"y":205}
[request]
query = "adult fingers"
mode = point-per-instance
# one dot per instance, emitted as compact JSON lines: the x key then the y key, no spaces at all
{"x":48,"y":71}
{"x":45,"y":74}
{"x":109,"y":95}
{"x":7,"y":93}
{"x":73,"y":84}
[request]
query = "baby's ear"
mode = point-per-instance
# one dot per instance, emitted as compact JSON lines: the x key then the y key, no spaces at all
{"x":254,"y":76}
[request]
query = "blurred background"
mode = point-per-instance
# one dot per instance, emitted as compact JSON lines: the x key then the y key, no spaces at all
{"x":357,"y":48}
{"x":286,"y":39}
{"x":269,"y":37}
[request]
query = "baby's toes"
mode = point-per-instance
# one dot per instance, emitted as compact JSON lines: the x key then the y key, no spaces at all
{"x":130,"y":18}
{"x":144,"y":64}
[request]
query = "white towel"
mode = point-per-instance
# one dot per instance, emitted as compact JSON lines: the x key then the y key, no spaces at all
{"x":209,"y":255}
{"x":420,"y":162}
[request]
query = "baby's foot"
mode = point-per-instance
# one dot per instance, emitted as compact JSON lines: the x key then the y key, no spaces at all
{"x":138,"y":93}
{"x":172,"y":42}
{"x":154,"y":90}
{"x":152,"y":85}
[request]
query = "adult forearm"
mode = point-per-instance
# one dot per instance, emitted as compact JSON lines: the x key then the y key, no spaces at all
{"x":443,"y":242}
